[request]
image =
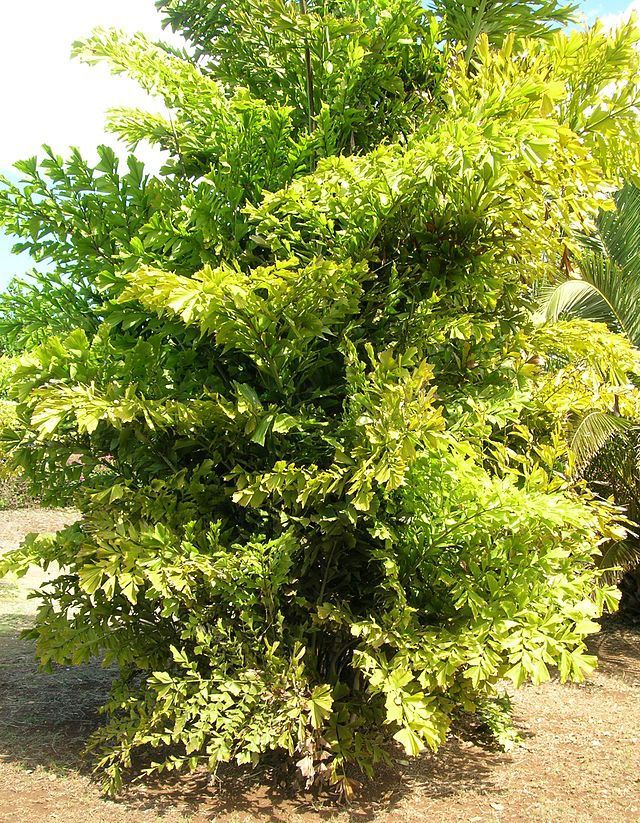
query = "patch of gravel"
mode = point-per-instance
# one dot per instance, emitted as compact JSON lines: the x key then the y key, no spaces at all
{"x":16,"y":524}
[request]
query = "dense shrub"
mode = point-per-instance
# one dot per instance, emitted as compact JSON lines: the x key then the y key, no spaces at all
{"x":325,"y":500}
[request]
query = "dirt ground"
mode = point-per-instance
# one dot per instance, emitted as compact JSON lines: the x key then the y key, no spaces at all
{"x":579,"y":763}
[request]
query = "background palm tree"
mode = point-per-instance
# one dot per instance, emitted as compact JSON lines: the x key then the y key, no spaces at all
{"x":606,"y":289}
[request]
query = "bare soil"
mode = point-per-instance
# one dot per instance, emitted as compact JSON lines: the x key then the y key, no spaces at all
{"x":579,"y":763}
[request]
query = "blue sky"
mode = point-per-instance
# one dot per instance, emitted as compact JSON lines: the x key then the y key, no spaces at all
{"x":66,"y":102}
{"x":600,"y":8}
{"x":49,"y":98}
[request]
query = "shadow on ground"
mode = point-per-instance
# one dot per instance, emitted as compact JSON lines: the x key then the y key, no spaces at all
{"x":460,"y":767}
{"x":617,"y":647}
{"x":46,"y":718}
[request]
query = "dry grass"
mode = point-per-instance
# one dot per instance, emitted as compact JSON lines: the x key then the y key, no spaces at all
{"x":580,"y":762}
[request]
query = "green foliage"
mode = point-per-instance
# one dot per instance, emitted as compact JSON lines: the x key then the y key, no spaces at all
{"x":614,"y":470}
{"x":349,"y":71}
{"x":79,"y":223}
{"x":606,"y":289}
{"x":323,"y":476}
{"x":466,"y":20}
{"x":14,"y":492}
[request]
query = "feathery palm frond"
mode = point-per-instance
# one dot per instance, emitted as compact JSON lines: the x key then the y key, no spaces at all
{"x":615,"y":472}
{"x":605,"y":293}
{"x":606,"y":447}
{"x":608,"y":289}
{"x":617,"y":557}
{"x":619,"y":230}
{"x":620,"y":287}
{"x":577,"y":298}
{"x":592,"y":434}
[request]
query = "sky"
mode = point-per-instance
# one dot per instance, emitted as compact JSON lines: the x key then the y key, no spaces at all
{"x":49,"y":98}
{"x":606,"y":9}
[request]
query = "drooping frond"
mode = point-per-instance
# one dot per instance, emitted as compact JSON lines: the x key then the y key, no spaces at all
{"x":578,"y":298}
{"x":621,"y":555}
{"x":608,"y":289}
{"x":620,"y":231}
{"x":591,"y":435}
{"x":620,"y":287}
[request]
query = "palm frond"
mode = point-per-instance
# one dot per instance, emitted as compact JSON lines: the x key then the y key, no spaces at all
{"x":606,"y":447}
{"x":604,"y":293}
{"x":620,"y":287}
{"x":592,"y":434}
{"x":619,"y":230}
{"x":608,"y":288}
{"x":577,"y":298}
{"x":619,"y":556}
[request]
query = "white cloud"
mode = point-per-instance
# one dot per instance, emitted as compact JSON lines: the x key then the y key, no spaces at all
{"x":48,"y":98}
{"x":611,"y":21}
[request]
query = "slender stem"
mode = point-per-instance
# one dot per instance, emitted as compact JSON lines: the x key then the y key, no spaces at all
{"x":464,"y":521}
{"x":475,"y":33}
{"x":609,"y":116}
{"x":325,"y":578}
{"x":309,"y":70}
{"x":177,"y":144}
